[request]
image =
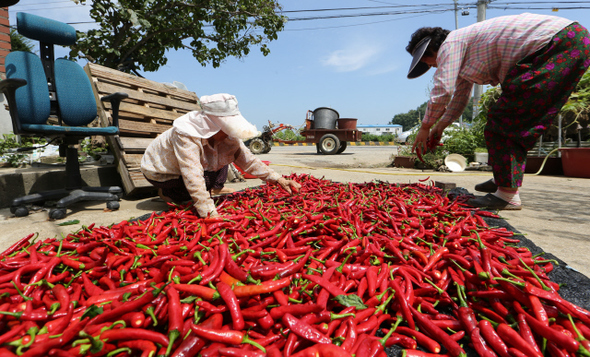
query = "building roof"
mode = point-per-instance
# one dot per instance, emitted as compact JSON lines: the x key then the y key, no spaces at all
{"x":379,"y":126}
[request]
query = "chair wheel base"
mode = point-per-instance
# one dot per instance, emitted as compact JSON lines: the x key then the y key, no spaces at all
{"x":57,"y":213}
{"x":19,"y":211}
{"x":113,"y":205}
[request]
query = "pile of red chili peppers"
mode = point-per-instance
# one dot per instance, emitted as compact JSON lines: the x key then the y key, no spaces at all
{"x":335,"y":270}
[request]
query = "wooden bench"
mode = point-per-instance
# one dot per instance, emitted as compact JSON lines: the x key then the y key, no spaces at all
{"x":150,"y":110}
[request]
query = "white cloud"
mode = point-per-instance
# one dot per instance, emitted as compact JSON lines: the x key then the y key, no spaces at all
{"x":384,"y":68}
{"x":354,"y":57}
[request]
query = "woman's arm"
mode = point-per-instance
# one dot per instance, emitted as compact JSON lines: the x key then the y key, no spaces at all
{"x":188,"y":154}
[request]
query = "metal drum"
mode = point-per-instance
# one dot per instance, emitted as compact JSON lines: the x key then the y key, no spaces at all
{"x":325,"y":118}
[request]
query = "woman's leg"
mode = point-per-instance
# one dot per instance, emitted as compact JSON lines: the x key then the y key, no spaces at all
{"x":172,"y":190}
{"x":215,"y":181}
{"x":533,"y":93}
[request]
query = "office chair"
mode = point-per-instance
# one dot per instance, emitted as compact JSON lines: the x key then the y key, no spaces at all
{"x":38,"y":88}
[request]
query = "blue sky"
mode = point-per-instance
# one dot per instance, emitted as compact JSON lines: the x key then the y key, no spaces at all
{"x":355,"y":65}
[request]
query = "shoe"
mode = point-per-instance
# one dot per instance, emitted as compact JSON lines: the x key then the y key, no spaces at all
{"x":490,"y":201}
{"x":488,"y":186}
{"x":221,"y":191}
{"x":164,"y":198}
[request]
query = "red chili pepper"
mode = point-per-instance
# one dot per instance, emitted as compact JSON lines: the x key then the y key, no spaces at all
{"x":324,"y":283}
{"x":265,"y":287}
{"x":438,"y":254}
{"x":192,"y":344}
{"x":513,"y":339}
{"x":421,"y":338}
{"x":238,"y":352}
{"x":418,"y":353}
{"x":304,"y":330}
{"x":131,"y":305}
{"x":560,"y":339}
{"x":198,"y":290}
{"x":296,"y":309}
{"x":18,"y":244}
{"x":135,"y":334}
{"x":41,"y":349}
{"x":229,"y":337}
{"x":438,"y":334}
{"x":148,"y":348}
{"x":175,"y":321}
{"x":232,"y":303}
{"x":404,"y":304}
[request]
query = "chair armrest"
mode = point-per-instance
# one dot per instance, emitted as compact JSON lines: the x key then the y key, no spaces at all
{"x":115,"y":100}
{"x":9,"y":87}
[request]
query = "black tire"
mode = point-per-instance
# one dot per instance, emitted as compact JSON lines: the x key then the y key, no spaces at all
{"x":267,"y":148}
{"x":257,"y":146}
{"x":19,"y":211}
{"x":57,"y":213}
{"x":329,"y":144}
{"x":343,"y":145}
{"x":113,"y":205}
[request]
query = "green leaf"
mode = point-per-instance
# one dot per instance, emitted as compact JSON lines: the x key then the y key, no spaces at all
{"x":92,"y":312}
{"x":69,"y":223}
{"x":351,"y":300}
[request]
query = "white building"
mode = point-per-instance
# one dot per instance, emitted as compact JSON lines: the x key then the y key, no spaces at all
{"x":381,"y":129}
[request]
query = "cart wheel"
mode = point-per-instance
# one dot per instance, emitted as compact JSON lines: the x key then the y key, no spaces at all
{"x":343,"y":145}
{"x":257,"y":146}
{"x":329,"y":144}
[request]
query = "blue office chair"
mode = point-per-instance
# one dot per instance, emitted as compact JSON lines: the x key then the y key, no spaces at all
{"x":38,"y":88}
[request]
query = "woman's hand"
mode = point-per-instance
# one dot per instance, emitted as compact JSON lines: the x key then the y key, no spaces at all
{"x":420,"y":146}
{"x":289,"y":185}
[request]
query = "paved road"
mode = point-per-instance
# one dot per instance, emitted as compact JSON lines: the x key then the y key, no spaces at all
{"x":352,"y":157}
{"x":555,"y":215}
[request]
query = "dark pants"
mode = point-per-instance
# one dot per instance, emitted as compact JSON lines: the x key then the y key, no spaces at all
{"x":176,"y":190}
{"x":533,"y":93}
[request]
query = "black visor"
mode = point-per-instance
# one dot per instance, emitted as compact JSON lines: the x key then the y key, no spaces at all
{"x":418,"y":68}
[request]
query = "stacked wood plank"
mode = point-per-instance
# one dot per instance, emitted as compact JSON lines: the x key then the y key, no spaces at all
{"x":150,"y":110}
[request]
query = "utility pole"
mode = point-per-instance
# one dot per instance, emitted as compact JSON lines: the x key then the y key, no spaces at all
{"x":478,"y":89}
{"x":456,"y":15}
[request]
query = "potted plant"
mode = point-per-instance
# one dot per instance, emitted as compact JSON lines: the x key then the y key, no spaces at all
{"x":576,"y":114}
{"x":481,"y":155}
{"x":404,"y":157}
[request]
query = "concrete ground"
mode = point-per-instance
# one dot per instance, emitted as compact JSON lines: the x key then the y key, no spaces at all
{"x":555,"y":214}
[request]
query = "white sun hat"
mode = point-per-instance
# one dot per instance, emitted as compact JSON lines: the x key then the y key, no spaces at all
{"x":456,"y":162}
{"x":218,"y":112}
{"x":223,"y":110}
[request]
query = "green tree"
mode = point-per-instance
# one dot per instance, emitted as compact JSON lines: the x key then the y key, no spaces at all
{"x":135,"y":34}
{"x":19,"y":42}
{"x":289,"y":134}
{"x":414,"y":116}
{"x":411,"y":118}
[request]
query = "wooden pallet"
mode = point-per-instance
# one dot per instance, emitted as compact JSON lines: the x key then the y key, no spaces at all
{"x":150,"y":110}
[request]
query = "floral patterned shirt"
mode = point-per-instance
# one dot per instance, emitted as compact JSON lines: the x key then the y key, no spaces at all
{"x":483,"y":53}
{"x":172,"y":155}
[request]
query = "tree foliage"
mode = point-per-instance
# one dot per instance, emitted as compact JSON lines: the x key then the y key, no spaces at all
{"x":135,"y":34}
{"x":19,"y":42}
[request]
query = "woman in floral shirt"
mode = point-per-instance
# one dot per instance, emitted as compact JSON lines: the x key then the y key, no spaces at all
{"x":537,"y":60}
{"x":180,"y":160}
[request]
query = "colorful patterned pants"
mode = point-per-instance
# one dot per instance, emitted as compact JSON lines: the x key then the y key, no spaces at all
{"x":533,"y":92}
